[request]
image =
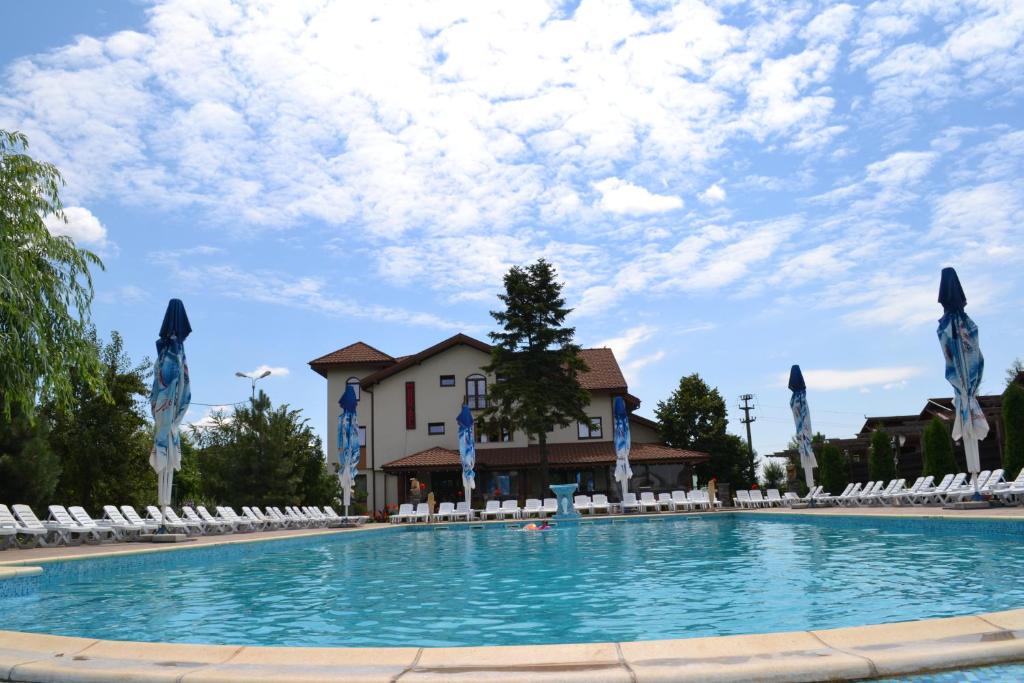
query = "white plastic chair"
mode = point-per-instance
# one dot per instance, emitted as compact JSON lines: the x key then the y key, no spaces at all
{"x":599,"y":503}
{"x":532,"y":508}
{"x":582,"y":504}
{"x":510,"y":508}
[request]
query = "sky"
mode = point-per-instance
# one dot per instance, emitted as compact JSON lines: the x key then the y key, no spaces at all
{"x":725,"y":188}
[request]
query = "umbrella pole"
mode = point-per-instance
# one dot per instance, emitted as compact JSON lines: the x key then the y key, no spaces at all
{"x":971,"y":451}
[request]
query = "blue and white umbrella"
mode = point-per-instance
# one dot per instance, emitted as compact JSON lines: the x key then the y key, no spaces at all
{"x":169,"y":398}
{"x":958,"y":336}
{"x":620,"y":430}
{"x":802,"y":419}
{"x":348,"y":444}
{"x":467,"y":452}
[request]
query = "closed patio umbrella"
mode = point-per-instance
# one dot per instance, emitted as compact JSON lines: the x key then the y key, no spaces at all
{"x":802,"y":419}
{"x":467,"y":452}
{"x":620,"y":425}
{"x":348,"y":444}
{"x":169,"y":398}
{"x":958,"y":336}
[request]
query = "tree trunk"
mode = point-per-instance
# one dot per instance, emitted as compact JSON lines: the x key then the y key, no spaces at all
{"x":545,"y":479}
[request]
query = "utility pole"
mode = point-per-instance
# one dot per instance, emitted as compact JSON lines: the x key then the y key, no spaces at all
{"x":746,"y":408}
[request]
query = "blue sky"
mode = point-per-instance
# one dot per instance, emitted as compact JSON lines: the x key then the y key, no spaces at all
{"x":726,"y":188}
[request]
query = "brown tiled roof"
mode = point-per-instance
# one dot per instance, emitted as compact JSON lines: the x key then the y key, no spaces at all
{"x":359,"y":353}
{"x":604,"y":372}
{"x":646,"y":422}
{"x":559,"y":455}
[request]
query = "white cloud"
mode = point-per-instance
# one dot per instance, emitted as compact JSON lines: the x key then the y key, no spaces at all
{"x":834,"y":380}
{"x":621,"y":196}
{"x":80,"y":225}
{"x":982,"y":222}
{"x":275,"y":371}
{"x":715,"y":194}
{"x":125,"y":294}
{"x":208,"y":415}
{"x":623,"y":344}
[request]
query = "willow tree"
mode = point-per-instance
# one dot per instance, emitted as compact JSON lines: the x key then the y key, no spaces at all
{"x":45,"y":288}
{"x":534,"y":359}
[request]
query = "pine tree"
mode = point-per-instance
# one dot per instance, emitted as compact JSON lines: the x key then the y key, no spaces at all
{"x":534,"y":359}
{"x":833,"y":472}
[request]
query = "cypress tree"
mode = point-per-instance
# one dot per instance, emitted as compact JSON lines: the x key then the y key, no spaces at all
{"x":832,"y":471}
{"x":1013,"y":427}
{"x":880,"y":460}
{"x":938,"y":450}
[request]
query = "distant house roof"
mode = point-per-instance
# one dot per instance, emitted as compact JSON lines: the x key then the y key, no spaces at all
{"x":559,"y":455}
{"x":604,"y":373}
{"x":359,"y":353}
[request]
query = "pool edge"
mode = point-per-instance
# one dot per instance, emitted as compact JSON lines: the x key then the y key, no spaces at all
{"x":848,"y":653}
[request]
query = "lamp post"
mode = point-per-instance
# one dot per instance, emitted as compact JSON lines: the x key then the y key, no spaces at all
{"x":253,"y":378}
{"x":897,"y":444}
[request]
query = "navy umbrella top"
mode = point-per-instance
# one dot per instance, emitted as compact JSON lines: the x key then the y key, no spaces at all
{"x":175,"y":321}
{"x":348,"y":400}
{"x":951,"y":294}
{"x":465,"y":418}
{"x":619,"y":408}
{"x":796,"y":379}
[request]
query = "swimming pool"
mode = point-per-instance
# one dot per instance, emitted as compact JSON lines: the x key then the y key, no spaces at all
{"x":673,"y":577}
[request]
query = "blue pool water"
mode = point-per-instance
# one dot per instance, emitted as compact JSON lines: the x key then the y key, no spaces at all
{"x":679,"y":577}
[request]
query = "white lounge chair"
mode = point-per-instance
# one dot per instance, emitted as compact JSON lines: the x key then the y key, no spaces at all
{"x":532,"y":507}
{"x":550,"y":506}
{"x":953,"y":489}
{"x":445,"y":511}
{"x":629,"y":502}
{"x":117,"y":532}
{"x":237,"y":523}
{"x":773,"y":498}
{"x":259,"y":521}
{"x":60,"y":534}
{"x":404,"y":513}
{"x":895,"y":497}
{"x":834,"y":500}
{"x":581,"y":504}
{"x":115,"y":516}
{"x":742,"y":499}
{"x":60,"y":515}
{"x":995,"y":481}
{"x":491,"y":509}
{"x":1010,"y":492}
{"x":510,"y":508}
{"x":38,"y":535}
{"x":421,"y":513}
{"x":280,"y":520}
{"x":924,"y":495}
{"x":149,"y":525}
{"x":790,"y":497}
{"x":463,"y":511}
{"x":757,"y":499}
{"x":599,"y":503}
{"x":192,"y":524}
{"x":679,"y":501}
{"x":921,"y":484}
{"x":966,"y":492}
{"x":648,"y":501}
{"x":848,"y":497}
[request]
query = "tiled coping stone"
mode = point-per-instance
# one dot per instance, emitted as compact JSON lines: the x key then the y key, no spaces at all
{"x":835,"y":654}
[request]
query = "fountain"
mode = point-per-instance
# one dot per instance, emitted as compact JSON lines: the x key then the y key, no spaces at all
{"x":566,"y":510}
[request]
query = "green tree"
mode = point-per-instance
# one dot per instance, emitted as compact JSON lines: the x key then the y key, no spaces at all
{"x":1014,"y":371}
{"x":937,"y":447}
{"x":261,"y":455}
{"x":45,"y":289}
{"x":833,"y":470}
{"x":1013,"y":428}
{"x":29,"y":470}
{"x":536,"y":359}
{"x":103,"y":440}
{"x":880,"y":458}
{"x":694,"y":417}
{"x":773,"y":473}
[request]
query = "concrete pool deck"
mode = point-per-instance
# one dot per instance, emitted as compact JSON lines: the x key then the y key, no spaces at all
{"x":836,"y":654}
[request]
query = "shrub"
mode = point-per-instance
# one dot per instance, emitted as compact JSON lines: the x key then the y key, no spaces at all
{"x":774,"y":473}
{"x":938,"y":450}
{"x":1013,"y":424}
{"x":833,"y":471}
{"x":880,"y":460}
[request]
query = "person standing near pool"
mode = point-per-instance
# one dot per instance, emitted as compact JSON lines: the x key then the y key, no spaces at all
{"x":414,"y":491}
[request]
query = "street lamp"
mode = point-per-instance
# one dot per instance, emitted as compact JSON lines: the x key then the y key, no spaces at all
{"x":253,"y":379}
{"x":897,"y":444}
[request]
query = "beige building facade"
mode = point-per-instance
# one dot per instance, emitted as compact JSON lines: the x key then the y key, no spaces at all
{"x":407,"y":415}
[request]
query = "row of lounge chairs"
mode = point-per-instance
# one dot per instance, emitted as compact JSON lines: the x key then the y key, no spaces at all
{"x":677,"y":501}
{"x":952,"y":488}
{"x":66,"y":526}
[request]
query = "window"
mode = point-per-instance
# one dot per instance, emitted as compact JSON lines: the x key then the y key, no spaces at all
{"x":590,"y":430}
{"x":476,"y":392}
{"x":410,"y":405}
{"x":354,"y":383}
{"x":493,"y":436}
{"x":447,"y":380}
{"x":362,"y":436}
{"x":435,"y":428}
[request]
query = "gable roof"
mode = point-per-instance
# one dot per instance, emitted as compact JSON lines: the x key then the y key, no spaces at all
{"x":359,"y":353}
{"x":604,"y":373}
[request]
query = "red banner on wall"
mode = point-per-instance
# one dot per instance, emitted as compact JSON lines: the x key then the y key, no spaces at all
{"x":410,"y":405}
